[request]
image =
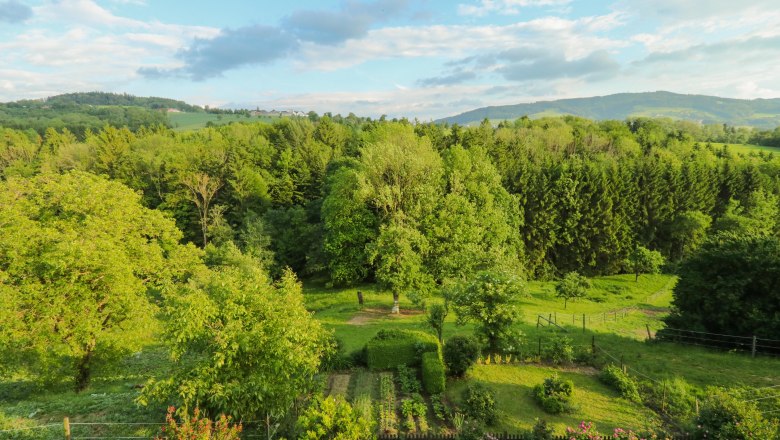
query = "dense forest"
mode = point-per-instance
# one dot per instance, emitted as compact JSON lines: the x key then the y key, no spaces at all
{"x":412,"y":205}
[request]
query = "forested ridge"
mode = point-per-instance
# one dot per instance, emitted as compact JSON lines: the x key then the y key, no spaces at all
{"x":763,"y":113}
{"x":412,"y":205}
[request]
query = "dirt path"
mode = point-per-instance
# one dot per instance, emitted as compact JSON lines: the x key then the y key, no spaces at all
{"x":367,"y":316}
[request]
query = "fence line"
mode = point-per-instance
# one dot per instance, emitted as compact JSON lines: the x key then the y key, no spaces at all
{"x":749,"y":344}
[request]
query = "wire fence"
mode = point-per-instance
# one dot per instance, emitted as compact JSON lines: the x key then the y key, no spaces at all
{"x":747,"y":344}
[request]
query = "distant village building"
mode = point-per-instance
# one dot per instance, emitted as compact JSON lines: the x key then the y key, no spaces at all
{"x":173,"y":110}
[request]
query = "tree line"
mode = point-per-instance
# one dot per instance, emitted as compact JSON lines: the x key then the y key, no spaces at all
{"x":413,"y":205}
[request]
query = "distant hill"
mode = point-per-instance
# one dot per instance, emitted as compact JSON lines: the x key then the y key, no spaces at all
{"x":761,"y":113}
{"x":119,"y":99}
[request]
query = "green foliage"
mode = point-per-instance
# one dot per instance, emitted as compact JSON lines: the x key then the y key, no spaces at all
{"x":433,"y":373}
{"x":460,"y":353}
{"x":196,"y":427}
{"x":620,"y":381}
{"x":479,"y":404}
{"x":333,"y":419}
{"x":415,"y":409}
{"x":559,"y":351}
{"x":643,"y":260}
{"x":572,"y":286}
{"x":674,"y":397}
{"x":490,"y":300}
{"x":434,"y":318}
{"x":407,"y":380}
{"x":542,"y":431}
{"x":82,"y":263}
{"x":240,"y":346}
{"x":723,"y":416}
{"x":391,"y":348}
{"x":388,"y":420}
{"x":554,"y":395}
{"x":741,"y":303}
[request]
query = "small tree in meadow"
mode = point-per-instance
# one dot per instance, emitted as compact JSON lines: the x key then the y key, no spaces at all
{"x":643,"y":260}
{"x":435,"y":319}
{"x":573,"y":285}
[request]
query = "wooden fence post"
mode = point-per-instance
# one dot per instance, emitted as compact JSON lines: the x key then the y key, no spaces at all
{"x":66,"y":425}
{"x":583,"y":323}
{"x":753,"y":350}
{"x":540,"y":346}
{"x":647,"y":326}
{"x":593,"y":344}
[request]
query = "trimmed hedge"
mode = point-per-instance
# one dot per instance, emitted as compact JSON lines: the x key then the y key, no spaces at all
{"x":391,"y":348}
{"x":432,"y":373}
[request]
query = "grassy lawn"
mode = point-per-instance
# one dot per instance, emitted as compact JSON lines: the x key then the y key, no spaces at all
{"x":746,"y":148}
{"x":513,"y":385}
{"x":190,"y":121}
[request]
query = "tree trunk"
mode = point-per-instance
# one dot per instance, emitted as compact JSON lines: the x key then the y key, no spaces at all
{"x":83,"y":370}
{"x":396,"y":304}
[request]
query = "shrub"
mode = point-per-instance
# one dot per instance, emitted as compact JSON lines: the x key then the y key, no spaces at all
{"x":586,"y":431}
{"x":560,"y":351}
{"x":198,"y":428}
{"x":542,"y":431}
{"x":333,"y":418}
{"x":460,"y":353}
{"x":673,"y":397}
{"x":433,"y":373}
{"x":391,"y":348}
{"x":724,"y":416}
{"x":479,"y":404}
{"x":554,"y":395}
{"x":622,"y":382}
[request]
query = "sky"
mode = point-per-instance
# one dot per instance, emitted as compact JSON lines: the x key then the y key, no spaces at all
{"x":422,"y":59}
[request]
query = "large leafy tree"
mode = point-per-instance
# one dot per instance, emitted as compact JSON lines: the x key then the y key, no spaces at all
{"x":489,"y":300}
{"x":81,"y":262}
{"x":240,"y":345}
{"x":730,"y":286}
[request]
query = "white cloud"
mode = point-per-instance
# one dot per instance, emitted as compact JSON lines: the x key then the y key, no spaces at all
{"x":504,"y":7}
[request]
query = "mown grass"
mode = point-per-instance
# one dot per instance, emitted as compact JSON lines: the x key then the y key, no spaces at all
{"x":513,"y":385}
{"x":192,"y":121}
{"x":746,"y":148}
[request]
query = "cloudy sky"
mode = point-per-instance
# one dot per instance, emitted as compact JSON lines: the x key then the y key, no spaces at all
{"x":423,"y":58}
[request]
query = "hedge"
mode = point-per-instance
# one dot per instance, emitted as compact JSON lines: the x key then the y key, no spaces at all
{"x":391,"y":348}
{"x":432,"y":373}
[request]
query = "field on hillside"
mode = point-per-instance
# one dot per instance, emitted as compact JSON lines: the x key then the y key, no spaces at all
{"x":747,"y":148}
{"x":617,"y":315}
{"x":192,"y":121}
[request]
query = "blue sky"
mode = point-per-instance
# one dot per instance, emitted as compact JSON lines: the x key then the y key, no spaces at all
{"x":423,"y":59}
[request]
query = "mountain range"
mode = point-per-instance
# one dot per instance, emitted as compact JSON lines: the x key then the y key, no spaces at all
{"x":761,"y":113}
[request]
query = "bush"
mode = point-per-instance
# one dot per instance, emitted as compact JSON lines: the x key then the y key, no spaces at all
{"x":673,"y":397}
{"x":198,"y":428}
{"x":560,"y":351}
{"x":391,"y":348}
{"x":724,"y":416}
{"x":432,"y":373}
{"x":460,"y":353}
{"x":542,"y":431}
{"x":554,"y":395}
{"x":622,"y":382}
{"x":330,"y":418}
{"x":480,"y":404}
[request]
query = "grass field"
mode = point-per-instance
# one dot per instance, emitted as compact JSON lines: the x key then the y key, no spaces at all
{"x":191,"y":121}
{"x":747,"y":148}
{"x":617,"y":314}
